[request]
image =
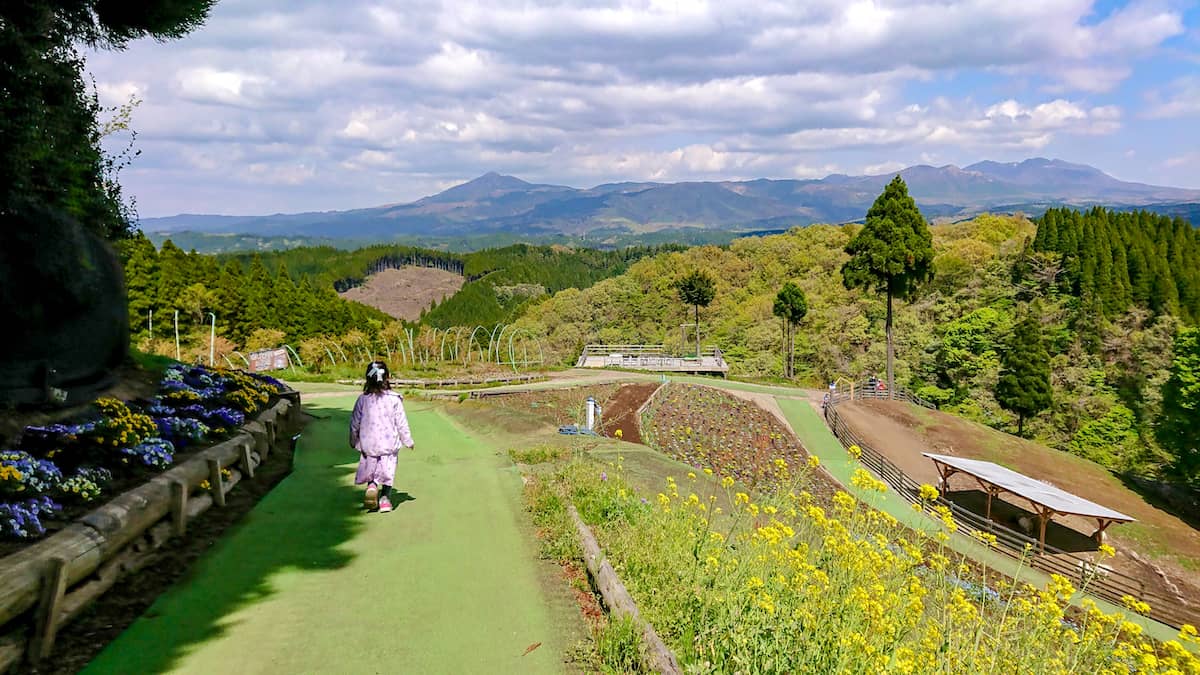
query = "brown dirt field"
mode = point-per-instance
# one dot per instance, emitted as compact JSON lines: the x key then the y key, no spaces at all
{"x":620,"y":411}
{"x":405,"y":292}
{"x":1159,"y":548}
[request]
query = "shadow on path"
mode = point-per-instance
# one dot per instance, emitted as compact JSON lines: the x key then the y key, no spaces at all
{"x":299,"y":527}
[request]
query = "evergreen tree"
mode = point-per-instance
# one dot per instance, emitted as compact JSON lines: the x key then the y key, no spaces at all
{"x":141,"y":281}
{"x":791,"y":306}
{"x":1024,"y":385}
{"x":698,"y":290}
{"x":1179,"y":427}
{"x":174,"y":271}
{"x":892,"y":254}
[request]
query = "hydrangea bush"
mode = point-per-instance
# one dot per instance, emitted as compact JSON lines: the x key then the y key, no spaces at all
{"x":76,"y":461}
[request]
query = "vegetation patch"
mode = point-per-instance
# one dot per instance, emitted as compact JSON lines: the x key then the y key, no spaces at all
{"x":539,"y":454}
{"x":709,"y":429}
{"x":789,"y":582}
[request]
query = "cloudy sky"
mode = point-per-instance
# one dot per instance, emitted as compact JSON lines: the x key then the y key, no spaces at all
{"x":295,"y":105}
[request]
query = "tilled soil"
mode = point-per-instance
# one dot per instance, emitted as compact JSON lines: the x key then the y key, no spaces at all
{"x":620,"y":412}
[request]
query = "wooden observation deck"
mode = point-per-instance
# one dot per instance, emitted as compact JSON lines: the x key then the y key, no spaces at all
{"x":652,"y":357}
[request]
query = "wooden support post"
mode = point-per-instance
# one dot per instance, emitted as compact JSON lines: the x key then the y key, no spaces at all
{"x":1103,"y":524}
{"x":1043,"y":517}
{"x":54,"y":587}
{"x":989,"y":504}
{"x":179,"y":500}
{"x":215,"y":482}
{"x":247,"y":466}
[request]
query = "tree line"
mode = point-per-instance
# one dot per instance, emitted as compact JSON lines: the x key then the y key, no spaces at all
{"x":244,"y":294}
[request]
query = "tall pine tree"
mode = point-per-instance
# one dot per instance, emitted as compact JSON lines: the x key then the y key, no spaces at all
{"x":1179,"y":428}
{"x":892,"y":254}
{"x":1024,"y":385}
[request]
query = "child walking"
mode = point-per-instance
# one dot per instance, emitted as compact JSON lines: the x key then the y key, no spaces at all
{"x":378,"y":429}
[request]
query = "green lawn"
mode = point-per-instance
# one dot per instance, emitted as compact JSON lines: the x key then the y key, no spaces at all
{"x":450,"y":582}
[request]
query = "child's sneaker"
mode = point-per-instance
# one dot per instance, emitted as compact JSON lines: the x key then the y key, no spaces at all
{"x":371,"y":497}
{"x":385,"y":505}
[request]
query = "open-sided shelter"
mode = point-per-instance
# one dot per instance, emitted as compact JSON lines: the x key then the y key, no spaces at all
{"x":1047,"y":500}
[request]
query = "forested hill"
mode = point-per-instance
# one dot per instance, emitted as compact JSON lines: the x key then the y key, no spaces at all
{"x":1110,"y":356}
{"x":293,"y":291}
{"x":499,"y":280}
{"x":1114,"y":261}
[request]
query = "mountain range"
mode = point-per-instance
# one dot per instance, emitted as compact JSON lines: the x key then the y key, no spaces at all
{"x":495,"y":203}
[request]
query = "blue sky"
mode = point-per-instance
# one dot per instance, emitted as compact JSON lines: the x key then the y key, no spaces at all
{"x":299,"y":105}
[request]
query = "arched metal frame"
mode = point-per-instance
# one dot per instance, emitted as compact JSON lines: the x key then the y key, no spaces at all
{"x":293,"y":351}
{"x":471,"y":342}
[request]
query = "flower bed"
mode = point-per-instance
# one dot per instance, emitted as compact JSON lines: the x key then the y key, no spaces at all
{"x":56,"y":471}
{"x":708,"y":429}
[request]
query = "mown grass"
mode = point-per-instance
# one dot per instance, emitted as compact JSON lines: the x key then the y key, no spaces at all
{"x":789,"y":583}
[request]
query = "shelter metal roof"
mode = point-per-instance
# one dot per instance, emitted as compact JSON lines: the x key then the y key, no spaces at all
{"x":1032,"y":489}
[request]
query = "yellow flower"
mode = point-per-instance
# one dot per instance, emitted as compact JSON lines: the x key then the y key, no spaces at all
{"x":854,"y":451}
{"x":692,"y":475}
{"x":929,"y":493}
{"x":742,"y":498}
{"x":814,"y":461}
{"x":1108,"y":550}
{"x":708,"y":472}
{"x":726,"y":482}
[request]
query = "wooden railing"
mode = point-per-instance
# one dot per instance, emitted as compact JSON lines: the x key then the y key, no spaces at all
{"x":49,"y":583}
{"x":1083,"y":571}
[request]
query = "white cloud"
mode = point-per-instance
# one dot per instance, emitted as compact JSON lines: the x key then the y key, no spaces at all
{"x":1180,"y":99}
{"x":883,"y":167}
{"x":356,"y":100}
{"x":209,"y":85}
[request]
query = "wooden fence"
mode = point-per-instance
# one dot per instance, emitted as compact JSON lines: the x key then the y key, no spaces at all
{"x":1084,"y":572}
{"x":49,"y":583}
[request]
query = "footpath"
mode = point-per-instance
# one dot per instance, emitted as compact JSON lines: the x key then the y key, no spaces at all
{"x":449,"y":582}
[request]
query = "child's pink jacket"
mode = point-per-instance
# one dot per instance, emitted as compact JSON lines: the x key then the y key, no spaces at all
{"x":378,"y":425}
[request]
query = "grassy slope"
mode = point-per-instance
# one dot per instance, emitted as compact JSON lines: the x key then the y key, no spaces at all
{"x":448,"y":583}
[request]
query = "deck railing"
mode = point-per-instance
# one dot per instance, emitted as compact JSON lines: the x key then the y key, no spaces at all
{"x":1083,"y":571}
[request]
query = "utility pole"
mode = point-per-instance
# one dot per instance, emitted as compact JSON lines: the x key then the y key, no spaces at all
{"x":177,"y":355}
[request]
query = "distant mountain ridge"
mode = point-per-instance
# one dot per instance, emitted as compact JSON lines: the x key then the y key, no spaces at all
{"x":496,"y":203}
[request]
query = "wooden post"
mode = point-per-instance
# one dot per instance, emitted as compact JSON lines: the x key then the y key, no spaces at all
{"x":179,"y":500}
{"x":1043,"y":517}
{"x":247,"y":466}
{"x":54,"y":587}
{"x":1099,"y":533}
{"x":989,"y":505}
{"x":215,"y":482}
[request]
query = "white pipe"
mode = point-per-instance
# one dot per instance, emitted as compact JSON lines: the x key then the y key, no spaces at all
{"x":177,"y":336}
{"x":212,"y":340}
{"x":591,"y":413}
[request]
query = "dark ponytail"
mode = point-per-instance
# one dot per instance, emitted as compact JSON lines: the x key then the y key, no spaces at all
{"x":377,"y":378}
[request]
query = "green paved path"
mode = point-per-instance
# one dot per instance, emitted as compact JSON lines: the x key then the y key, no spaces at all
{"x":307,"y":583}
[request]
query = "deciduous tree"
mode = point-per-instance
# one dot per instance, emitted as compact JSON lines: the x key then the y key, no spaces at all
{"x":791,"y":306}
{"x":698,"y":290}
